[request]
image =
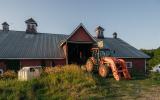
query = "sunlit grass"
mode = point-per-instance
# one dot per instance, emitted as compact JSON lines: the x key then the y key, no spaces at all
{"x":71,"y":82}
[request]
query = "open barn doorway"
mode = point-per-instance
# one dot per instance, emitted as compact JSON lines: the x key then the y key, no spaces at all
{"x":13,"y":65}
{"x":78,"y":53}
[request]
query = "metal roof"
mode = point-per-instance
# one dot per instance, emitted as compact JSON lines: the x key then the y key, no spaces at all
{"x":22,"y":45}
{"x":122,"y":49}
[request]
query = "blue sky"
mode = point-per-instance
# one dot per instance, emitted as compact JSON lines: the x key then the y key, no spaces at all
{"x":135,"y":21}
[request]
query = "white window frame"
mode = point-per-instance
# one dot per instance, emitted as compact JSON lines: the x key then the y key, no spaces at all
{"x":130,"y":63}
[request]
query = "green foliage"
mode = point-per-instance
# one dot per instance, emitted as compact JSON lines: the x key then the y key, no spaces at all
{"x":155,"y":57}
{"x":59,"y":82}
{"x":149,"y":52}
{"x":155,"y":76}
{"x":71,"y":82}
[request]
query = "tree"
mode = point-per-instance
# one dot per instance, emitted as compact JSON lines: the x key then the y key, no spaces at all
{"x":155,"y":56}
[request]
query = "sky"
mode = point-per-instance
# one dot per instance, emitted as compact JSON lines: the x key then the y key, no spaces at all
{"x":136,"y":21}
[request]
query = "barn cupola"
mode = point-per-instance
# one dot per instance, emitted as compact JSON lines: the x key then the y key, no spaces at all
{"x":99,"y":31}
{"x":31,"y":26}
{"x":5,"y":26}
{"x":115,"y":35}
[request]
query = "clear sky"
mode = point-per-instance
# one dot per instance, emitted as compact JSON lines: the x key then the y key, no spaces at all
{"x":135,"y":21}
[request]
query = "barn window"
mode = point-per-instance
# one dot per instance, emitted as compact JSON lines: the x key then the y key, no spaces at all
{"x":129,"y":64}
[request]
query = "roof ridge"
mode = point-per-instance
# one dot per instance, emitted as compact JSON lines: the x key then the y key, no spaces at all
{"x":37,"y":33}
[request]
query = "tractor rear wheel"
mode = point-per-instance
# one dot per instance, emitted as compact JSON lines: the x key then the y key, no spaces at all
{"x":103,"y":70}
{"x":89,"y":65}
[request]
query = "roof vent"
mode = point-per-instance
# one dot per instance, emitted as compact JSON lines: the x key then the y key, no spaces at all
{"x":5,"y":26}
{"x":99,"y":31}
{"x":31,"y":26}
{"x":115,"y":35}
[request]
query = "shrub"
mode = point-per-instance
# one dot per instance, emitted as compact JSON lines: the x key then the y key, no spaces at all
{"x":67,"y":73}
{"x":51,"y":70}
{"x":48,"y":70}
{"x":9,"y":74}
{"x":155,"y":76}
{"x":67,"y":81}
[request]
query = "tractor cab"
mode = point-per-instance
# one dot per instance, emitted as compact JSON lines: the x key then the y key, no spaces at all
{"x":98,"y":53}
{"x":105,"y":53}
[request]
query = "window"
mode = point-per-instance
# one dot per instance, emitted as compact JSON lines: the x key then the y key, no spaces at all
{"x":102,"y":53}
{"x":129,"y":64}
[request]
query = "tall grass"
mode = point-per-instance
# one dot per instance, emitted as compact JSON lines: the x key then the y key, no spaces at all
{"x":71,"y":82}
{"x":58,"y":83}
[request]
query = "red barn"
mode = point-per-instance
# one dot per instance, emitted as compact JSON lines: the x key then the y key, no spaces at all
{"x":30,"y":48}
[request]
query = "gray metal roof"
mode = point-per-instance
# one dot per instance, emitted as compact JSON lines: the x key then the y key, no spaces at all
{"x":18,"y":44}
{"x":22,"y":45}
{"x":123,"y":49}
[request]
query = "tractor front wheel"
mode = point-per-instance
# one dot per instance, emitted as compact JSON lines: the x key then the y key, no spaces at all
{"x":103,"y":71}
{"x":89,"y":65}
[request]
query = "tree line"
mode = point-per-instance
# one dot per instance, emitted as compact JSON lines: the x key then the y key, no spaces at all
{"x":155,"y":56}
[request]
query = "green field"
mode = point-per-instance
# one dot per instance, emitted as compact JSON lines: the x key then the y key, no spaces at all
{"x":70,"y":82}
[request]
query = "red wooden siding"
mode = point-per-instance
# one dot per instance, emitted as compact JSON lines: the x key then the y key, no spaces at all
{"x":138,"y":65}
{"x":39,"y":62}
{"x":59,"y":61}
{"x":30,"y":62}
{"x":80,"y":35}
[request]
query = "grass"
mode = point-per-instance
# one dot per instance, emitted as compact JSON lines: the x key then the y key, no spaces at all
{"x":70,"y":82}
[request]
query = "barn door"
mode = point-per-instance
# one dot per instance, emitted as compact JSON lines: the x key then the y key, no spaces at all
{"x":78,"y":53}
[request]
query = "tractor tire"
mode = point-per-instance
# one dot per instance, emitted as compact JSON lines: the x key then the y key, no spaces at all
{"x":89,"y":65}
{"x":103,"y":71}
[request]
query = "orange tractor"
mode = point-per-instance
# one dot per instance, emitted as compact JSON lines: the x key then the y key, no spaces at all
{"x":102,"y":62}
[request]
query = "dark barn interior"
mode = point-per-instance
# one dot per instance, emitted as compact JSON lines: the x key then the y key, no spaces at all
{"x":78,"y":53}
{"x":13,"y":64}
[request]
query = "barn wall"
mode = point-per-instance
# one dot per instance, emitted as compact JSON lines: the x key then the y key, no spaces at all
{"x":34,"y":62}
{"x":81,"y":35}
{"x":30,"y":62}
{"x":40,"y":62}
{"x":138,"y":66}
{"x":59,"y":61}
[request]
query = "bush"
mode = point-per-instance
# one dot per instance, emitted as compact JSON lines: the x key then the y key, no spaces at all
{"x":68,"y":73}
{"x":69,"y":81}
{"x":155,"y":76}
{"x":51,"y":70}
{"x":48,"y":70}
{"x":9,"y":74}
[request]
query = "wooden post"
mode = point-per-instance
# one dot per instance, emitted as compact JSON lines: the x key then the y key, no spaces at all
{"x":145,"y":68}
{"x":66,"y":52}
